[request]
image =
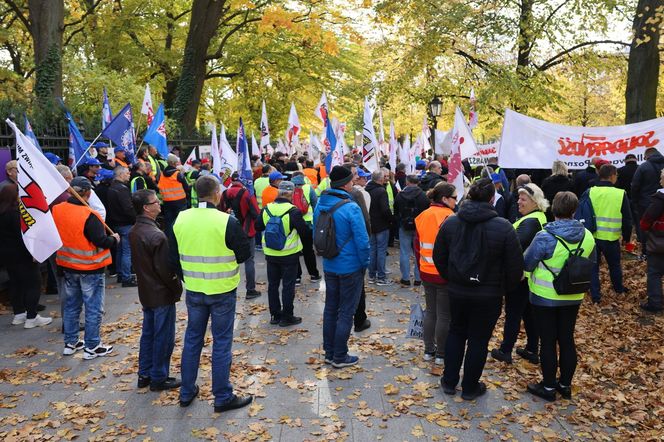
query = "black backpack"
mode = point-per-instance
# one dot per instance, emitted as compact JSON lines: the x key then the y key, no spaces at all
{"x":325,"y":233}
{"x":574,"y":276}
{"x":408,"y":215}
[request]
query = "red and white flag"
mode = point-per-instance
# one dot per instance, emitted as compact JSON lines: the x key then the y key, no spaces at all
{"x":472,"y":113}
{"x":39,"y":184}
{"x":265,"y":129}
{"x":293,"y":132}
{"x":462,"y":139}
{"x":146,"y":108}
{"x":322,"y":110}
{"x":370,"y":144}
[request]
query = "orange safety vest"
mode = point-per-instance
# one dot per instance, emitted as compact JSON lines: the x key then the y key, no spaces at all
{"x":427,"y":225}
{"x":269,"y":195}
{"x":323,"y":172}
{"x":119,"y":162}
{"x":170,"y":188}
{"x":312,"y":174}
{"x":77,"y":252}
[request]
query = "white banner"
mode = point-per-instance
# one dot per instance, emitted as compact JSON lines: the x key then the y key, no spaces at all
{"x":529,"y":143}
{"x":486,"y":151}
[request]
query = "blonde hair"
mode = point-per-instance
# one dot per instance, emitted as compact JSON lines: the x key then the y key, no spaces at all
{"x":537,"y":195}
{"x":559,"y":168}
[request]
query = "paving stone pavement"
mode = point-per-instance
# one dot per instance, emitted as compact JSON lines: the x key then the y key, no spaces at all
{"x":391,"y":395}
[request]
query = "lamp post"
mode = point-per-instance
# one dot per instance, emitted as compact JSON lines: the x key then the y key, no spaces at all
{"x":435,"y":108}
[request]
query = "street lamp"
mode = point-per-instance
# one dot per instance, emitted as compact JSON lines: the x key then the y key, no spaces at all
{"x":435,"y":108}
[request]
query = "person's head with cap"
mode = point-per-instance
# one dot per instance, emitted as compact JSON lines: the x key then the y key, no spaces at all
{"x":101,"y":147}
{"x":630,"y":158}
{"x":285,"y":190}
{"x":497,"y":181}
{"x":53,"y":158}
{"x":82,"y":186}
{"x":341,"y":178}
{"x":298,"y":179}
{"x":196,"y":164}
{"x":276,"y":178}
{"x":235,"y":176}
{"x":93,"y":163}
{"x":119,"y":152}
{"x":420,"y":165}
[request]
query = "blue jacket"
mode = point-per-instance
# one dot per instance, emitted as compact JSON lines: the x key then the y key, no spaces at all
{"x":351,"y":233}
{"x":543,"y":246}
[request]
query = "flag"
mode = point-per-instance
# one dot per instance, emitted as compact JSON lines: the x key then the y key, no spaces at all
{"x":106,"y":114}
{"x":332,"y":157}
{"x":228,"y":156}
{"x":255,"y":151}
{"x":370,"y":148}
{"x":39,"y":184}
{"x":293,"y":133}
{"x":321,"y":110}
{"x":310,"y":146}
{"x":188,"y":165}
{"x":265,"y":129}
{"x":121,"y":131}
{"x":78,"y":147}
{"x":281,"y":147}
{"x":146,"y":108}
{"x":461,"y":139}
{"x":156,"y":133}
{"x":408,"y":156}
{"x":316,"y":148}
{"x":393,"y":148}
{"x":381,"y":133}
{"x":244,"y":159}
{"x":30,"y":134}
{"x":214,"y":150}
{"x":425,"y":144}
{"x":473,"y":118}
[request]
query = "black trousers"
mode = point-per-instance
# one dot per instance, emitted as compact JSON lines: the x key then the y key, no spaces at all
{"x":279,"y":273}
{"x":517,"y":307}
{"x":556,"y":327}
{"x":309,"y":260}
{"x":24,"y":286}
{"x":472,"y":322}
{"x":361,"y":311}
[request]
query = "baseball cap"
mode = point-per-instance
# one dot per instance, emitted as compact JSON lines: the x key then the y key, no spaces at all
{"x":53,"y":158}
{"x":362,"y":173}
{"x":298,"y":180}
{"x":287,"y":185}
{"x":81,"y":182}
{"x":100,"y":144}
{"x":118,"y":149}
{"x":276,"y":176}
{"x":93,"y":162}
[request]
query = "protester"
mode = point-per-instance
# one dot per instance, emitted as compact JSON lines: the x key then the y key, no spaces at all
{"x":238,"y":201}
{"x":437,"y":315}
{"x":391,"y":194}
{"x":121,"y":217}
{"x":53,"y":158}
{"x":211,"y":286}
{"x":344,"y":273}
{"x":400,"y":175}
{"x":24,"y":276}
{"x":555,"y":315}
{"x":11,"y":170}
{"x":479,"y":254}
{"x":521,"y":180}
{"x":585,"y":179}
{"x":559,"y":181}
{"x":652,"y":224}
{"x":492,"y":162}
{"x":502,"y":202}
{"x":432,"y":177}
{"x":83,"y":257}
{"x":270,"y":192}
{"x":613,"y":215}
{"x":282,"y":226}
{"x":626,"y":174}
{"x":381,"y":219}
{"x":173,"y":188}
{"x":261,"y":183}
{"x":645,"y":184}
{"x":532,"y":207}
{"x":120,"y":157}
{"x":409,"y":203}
{"x":305,"y":199}
{"x":311,"y":173}
{"x":159,"y":288}
{"x":190,"y":177}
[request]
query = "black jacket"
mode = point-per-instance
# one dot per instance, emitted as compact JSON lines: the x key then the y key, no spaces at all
{"x":478,"y":231}
{"x":411,"y":196}
{"x":625,"y":176}
{"x":503,"y":205}
{"x":429,"y":181}
{"x":12,"y":247}
{"x":551,"y":186}
{"x":119,"y":208}
{"x":646,"y":181}
{"x":584,"y":180}
{"x":527,"y":230}
{"x":380,"y":215}
{"x":295,"y":222}
{"x":156,"y":270}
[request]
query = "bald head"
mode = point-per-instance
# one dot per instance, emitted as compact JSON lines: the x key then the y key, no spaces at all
{"x":522,"y":180}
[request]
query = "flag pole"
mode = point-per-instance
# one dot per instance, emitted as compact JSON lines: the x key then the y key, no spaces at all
{"x":85,"y":203}
{"x":87,"y":149}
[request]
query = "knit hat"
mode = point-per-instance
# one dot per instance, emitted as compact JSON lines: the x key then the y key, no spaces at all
{"x":340,"y":176}
{"x":287,"y":186}
{"x":298,"y":180}
{"x":81,"y":182}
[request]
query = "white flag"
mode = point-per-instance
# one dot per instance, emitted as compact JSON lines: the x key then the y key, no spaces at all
{"x":293,"y":133}
{"x":214,"y":151}
{"x":310,"y":146}
{"x":190,"y":160}
{"x":317,"y":148}
{"x":473,"y":118}
{"x":381,"y":132}
{"x":462,"y":139}
{"x":370,"y":144}
{"x":393,"y":148}
{"x":265,"y":129}
{"x":146,"y":108}
{"x":39,"y":184}
{"x":425,"y":144}
{"x":255,"y":151}
{"x":322,"y":110}
{"x":228,"y":156}
{"x":408,"y":156}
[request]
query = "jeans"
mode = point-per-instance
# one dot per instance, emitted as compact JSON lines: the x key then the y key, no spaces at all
{"x":655,"y":272}
{"x":405,"y":253}
{"x":200,"y":308}
{"x":250,"y":270}
{"x":88,"y":289}
{"x":123,"y":254}
{"x":473,"y":320}
{"x":556,"y":326}
{"x":378,"y":254}
{"x":611,"y":251}
{"x":436,"y":317}
{"x":517,"y":306}
{"x":342,"y":295}
{"x":24,"y":286}
{"x":157,"y":342}
{"x":280,"y":273}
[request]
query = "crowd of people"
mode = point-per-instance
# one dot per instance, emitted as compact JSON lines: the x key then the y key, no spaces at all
{"x":530,"y":242}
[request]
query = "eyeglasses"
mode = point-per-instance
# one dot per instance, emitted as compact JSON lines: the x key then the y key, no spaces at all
{"x":453,"y":196}
{"x":151,"y":203}
{"x":527,"y":189}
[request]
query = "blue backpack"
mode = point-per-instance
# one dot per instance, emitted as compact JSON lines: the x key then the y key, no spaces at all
{"x":585,"y":212}
{"x":275,"y":237}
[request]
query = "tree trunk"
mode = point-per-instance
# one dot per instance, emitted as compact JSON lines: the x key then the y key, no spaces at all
{"x":205,"y":18}
{"x":524,"y":39}
{"x":46,"y":28}
{"x":643,"y":65}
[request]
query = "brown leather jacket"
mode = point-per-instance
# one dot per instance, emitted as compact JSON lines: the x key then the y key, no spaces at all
{"x":158,"y":283}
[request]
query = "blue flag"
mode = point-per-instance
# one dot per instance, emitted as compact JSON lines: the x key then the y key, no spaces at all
{"x":78,"y":147}
{"x":121,"y":131}
{"x":106,"y":114}
{"x":244,"y":160}
{"x":330,"y":144}
{"x":156,"y":133}
{"x":30,"y":134}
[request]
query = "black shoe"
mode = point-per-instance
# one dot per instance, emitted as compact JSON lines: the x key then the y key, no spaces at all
{"x":527,"y":355}
{"x":275,"y":319}
{"x":188,"y":402}
{"x":130,"y":283}
{"x":650,"y":308}
{"x":404,"y":282}
{"x":298,"y":281}
{"x":540,"y":391}
{"x":365,"y":325}
{"x":41,"y":308}
{"x":316,"y":278}
{"x":168,"y":384}
{"x":143,"y":381}
{"x":447,"y":389}
{"x":565,"y":392}
{"x":293,"y":320}
{"x":501,"y":356}
{"x":417,"y":283}
{"x":252,"y":294}
{"x":471,"y":396}
{"x":237,"y":402}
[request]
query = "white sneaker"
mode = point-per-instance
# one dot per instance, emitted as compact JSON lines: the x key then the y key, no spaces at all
{"x":37,"y":321}
{"x":19,"y":319}
{"x":98,"y":351}
{"x":428,"y":356}
{"x":439,"y":361}
{"x":71,"y":349}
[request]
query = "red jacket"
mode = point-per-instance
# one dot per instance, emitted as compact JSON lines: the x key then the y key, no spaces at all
{"x":245,"y":209}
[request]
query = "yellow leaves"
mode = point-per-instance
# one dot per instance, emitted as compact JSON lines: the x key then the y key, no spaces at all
{"x":390,"y":389}
{"x":209,"y":433}
{"x":157,"y":429}
{"x":40,"y":416}
{"x":254,"y":408}
{"x":417,"y":431}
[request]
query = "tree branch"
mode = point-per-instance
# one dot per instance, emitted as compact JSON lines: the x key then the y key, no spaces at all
{"x":89,"y":11}
{"x":72,"y":35}
{"x":220,"y":49}
{"x":476,"y":61}
{"x":221,"y":75}
{"x":14,"y":7}
{"x":557,"y":59}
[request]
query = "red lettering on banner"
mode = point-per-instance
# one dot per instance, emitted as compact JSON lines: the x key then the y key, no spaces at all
{"x":597,"y":146}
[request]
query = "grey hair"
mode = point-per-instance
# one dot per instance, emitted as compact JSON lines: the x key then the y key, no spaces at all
{"x":172,"y":159}
{"x":118,"y":170}
{"x":283,"y":192}
{"x":377,"y":175}
{"x":65,"y":171}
